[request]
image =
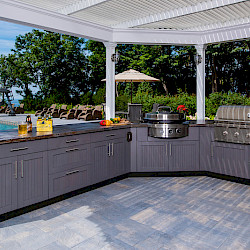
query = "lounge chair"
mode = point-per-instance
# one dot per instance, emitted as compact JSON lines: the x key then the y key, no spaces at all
{"x":86,"y":113}
{"x":97,"y":112}
{"x":20,"y":109}
{"x":52,"y":110}
{"x":2,"y":109}
{"x":79,"y":110}
{"x":8,"y":111}
{"x":68,"y":115}
{"x":45,"y":110}
{"x":62,"y":109}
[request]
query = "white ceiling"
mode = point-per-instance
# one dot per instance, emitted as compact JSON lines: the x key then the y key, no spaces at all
{"x":130,"y":19}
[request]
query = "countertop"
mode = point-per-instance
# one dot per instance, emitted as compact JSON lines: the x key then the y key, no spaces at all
{"x":8,"y":136}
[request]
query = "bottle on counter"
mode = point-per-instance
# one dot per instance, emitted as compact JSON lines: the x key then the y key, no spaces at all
{"x":29,"y":123}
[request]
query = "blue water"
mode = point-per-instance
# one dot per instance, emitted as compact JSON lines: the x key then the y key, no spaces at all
{"x":6,"y":126}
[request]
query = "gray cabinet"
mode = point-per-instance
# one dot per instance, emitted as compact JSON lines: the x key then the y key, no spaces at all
{"x":152,"y":156}
{"x":230,"y":159}
{"x":206,"y":151}
{"x":24,"y":180}
{"x":69,"y":164}
{"x":167,"y":155}
{"x":32,"y":178}
{"x":183,"y":156}
{"x":110,"y":155}
{"x":8,"y":184}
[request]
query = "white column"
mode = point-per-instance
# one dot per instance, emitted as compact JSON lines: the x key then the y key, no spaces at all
{"x":200,"y":84}
{"x":110,"y":80}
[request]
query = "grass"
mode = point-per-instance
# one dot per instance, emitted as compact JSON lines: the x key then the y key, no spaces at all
{"x":30,"y":112}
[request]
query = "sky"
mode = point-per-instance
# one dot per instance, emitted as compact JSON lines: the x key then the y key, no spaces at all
{"x":8,"y":33}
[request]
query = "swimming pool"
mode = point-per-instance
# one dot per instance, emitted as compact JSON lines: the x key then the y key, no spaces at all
{"x":7,"y":126}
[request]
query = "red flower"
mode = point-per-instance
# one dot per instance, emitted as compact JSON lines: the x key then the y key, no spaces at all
{"x":181,"y":107}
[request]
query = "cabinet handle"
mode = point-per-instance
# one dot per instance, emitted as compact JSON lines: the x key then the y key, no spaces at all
{"x":73,"y":172}
{"x":72,"y":149}
{"x":170,"y":150}
{"x":166,"y":149}
{"x":17,"y":149}
{"x":109,"y":149}
{"x":16,"y":169}
{"x":21,"y":168}
{"x":112,"y":151}
{"x":212,"y":150}
{"x":76,"y":140}
{"x":110,"y":135}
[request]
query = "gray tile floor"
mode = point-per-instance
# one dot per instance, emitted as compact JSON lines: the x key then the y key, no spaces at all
{"x":139,"y":213}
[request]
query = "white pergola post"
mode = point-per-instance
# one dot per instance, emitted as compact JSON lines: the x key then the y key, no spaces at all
{"x":200,"y":84}
{"x":110,"y":80}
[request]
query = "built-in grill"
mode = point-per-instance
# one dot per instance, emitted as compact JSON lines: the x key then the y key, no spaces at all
{"x":232,"y":124}
{"x":165,"y":123}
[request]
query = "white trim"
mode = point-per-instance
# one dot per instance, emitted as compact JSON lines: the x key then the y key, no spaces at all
{"x":200,"y":84}
{"x":24,"y":14}
{"x":187,"y":10}
{"x":110,"y":80}
{"x":80,"y":5}
{"x":148,"y":36}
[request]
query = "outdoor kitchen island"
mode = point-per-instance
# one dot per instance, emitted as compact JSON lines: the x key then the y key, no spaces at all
{"x":45,"y":166}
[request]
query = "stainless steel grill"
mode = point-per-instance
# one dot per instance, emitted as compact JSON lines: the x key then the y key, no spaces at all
{"x":232,"y":124}
{"x":166,"y":124}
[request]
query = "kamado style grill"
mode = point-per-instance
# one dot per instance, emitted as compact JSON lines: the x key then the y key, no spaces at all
{"x":165,"y":123}
{"x":232,"y":124}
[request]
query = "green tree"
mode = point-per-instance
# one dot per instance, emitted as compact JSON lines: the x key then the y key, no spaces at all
{"x":54,"y":62}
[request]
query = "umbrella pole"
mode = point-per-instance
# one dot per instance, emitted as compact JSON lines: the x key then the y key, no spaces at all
{"x":131,"y":91}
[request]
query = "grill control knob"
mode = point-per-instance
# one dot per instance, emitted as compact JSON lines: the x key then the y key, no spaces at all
{"x":178,"y":130}
{"x":225,"y":133}
{"x":170,"y":131}
{"x":236,"y":134}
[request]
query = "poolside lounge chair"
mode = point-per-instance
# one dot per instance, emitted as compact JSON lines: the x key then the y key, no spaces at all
{"x":86,"y":115}
{"x":68,"y":115}
{"x":8,"y":111}
{"x":52,"y":110}
{"x":20,"y":109}
{"x":97,"y":112}
{"x":2,"y":109}
{"x":45,"y":110}
{"x":62,"y":109}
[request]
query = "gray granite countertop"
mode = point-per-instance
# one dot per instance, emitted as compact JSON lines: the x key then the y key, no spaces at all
{"x":8,"y":136}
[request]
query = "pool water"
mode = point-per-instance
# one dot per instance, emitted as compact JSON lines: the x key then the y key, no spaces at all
{"x":6,"y":126}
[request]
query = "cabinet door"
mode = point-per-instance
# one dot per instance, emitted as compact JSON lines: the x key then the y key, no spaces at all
{"x":152,"y":156}
{"x":184,"y":156}
{"x":116,"y":161}
{"x":64,"y":159}
{"x":206,"y":151}
{"x":8,"y":184}
{"x":230,"y":159}
{"x":32,"y":178}
{"x":67,"y":181}
{"x":98,"y":170}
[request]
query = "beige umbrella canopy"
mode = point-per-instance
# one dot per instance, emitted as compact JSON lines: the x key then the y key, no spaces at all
{"x":133,"y":76}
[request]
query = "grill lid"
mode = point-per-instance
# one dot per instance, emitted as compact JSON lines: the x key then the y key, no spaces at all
{"x":164,"y":113}
{"x":233,"y":113}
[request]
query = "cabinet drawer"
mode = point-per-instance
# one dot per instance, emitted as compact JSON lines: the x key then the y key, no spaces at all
{"x":64,"y":159}
{"x":67,"y":181}
{"x":109,"y":135}
{"x":21,"y":148}
{"x":68,"y":141}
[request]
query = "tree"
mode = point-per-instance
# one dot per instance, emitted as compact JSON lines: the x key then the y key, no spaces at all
{"x":54,"y":62}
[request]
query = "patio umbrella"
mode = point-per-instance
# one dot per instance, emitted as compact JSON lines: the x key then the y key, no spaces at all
{"x":133,"y":76}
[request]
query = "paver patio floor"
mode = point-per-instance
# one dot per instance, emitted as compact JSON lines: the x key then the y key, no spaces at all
{"x":139,"y":213}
